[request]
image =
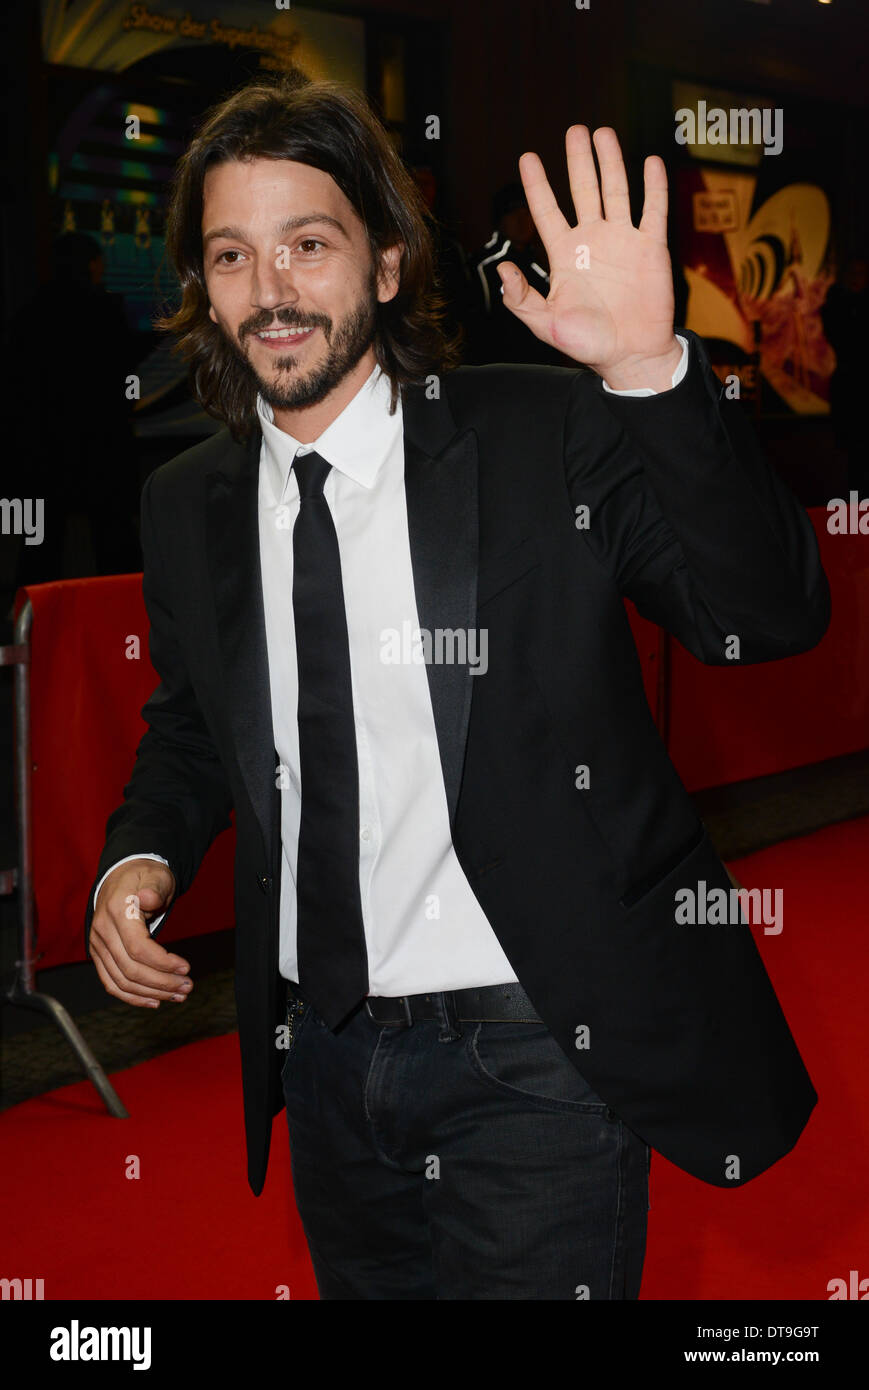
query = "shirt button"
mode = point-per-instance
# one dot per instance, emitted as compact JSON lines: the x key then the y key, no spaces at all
{"x":366,"y":833}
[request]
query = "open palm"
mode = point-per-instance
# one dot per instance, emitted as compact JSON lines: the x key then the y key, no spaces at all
{"x":610,"y":301}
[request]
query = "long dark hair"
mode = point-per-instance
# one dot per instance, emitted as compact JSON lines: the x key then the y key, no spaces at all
{"x":329,"y":126}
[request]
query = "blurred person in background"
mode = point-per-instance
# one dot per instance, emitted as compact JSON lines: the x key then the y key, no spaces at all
{"x":494,"y":334}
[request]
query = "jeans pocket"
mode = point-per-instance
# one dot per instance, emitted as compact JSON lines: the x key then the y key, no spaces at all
{"x":524,"y":1061}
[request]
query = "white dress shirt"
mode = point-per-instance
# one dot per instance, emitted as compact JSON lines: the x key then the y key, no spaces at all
{"x":424,"y":929}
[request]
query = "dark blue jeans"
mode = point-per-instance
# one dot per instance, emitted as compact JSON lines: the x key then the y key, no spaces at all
{"x":451,"y":1160}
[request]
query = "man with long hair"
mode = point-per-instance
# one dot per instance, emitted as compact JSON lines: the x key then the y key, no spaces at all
{"x":386,"y":608}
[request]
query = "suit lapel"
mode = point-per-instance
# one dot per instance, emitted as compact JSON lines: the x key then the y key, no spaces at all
{"x":441,"y":493}
{"x":440,"y":478}
{"x":236,"y":582}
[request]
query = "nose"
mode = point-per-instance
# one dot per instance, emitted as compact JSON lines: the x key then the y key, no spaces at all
{"x":272,"y":286}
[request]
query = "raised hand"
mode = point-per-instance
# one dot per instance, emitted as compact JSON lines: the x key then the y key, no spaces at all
{"x":610,"y":301}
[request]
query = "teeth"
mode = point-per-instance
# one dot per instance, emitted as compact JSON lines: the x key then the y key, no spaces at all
{"x":282,"y":332}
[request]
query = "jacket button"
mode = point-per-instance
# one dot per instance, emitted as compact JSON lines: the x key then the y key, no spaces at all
{"x":264,"y":882}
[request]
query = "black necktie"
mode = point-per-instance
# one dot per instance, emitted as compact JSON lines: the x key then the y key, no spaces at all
{"x":333,"y":962}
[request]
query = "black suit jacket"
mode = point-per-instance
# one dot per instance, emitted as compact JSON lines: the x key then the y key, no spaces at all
{"x":688,"y":1043}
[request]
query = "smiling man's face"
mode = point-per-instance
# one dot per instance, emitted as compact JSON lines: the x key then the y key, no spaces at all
{"x":283,"y":249}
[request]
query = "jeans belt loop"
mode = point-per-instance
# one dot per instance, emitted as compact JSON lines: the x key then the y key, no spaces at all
{"x":451,"y":1012}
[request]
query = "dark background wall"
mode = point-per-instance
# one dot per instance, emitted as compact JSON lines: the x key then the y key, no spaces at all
{"x":512,"y":75}
{"x":518,"y":74}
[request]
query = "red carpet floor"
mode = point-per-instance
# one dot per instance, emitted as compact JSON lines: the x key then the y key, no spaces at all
{"x":189,"y":1227}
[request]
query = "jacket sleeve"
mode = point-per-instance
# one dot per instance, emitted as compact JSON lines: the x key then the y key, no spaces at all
{"x":691,"y":521}
{"x":178,"y":798}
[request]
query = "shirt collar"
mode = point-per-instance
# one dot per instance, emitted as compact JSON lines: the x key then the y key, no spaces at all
{"x":356,"y":443}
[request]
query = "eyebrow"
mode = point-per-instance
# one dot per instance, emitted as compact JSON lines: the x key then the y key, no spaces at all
{"x":289,"y":225}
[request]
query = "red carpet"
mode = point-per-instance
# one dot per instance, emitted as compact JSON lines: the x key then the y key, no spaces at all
{"x":190,"y":1228}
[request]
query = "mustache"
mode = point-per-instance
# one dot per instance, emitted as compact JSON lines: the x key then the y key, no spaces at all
{"x":286,"y":318}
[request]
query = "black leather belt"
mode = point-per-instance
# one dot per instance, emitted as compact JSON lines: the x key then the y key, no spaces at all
{"x":480,"y":1004}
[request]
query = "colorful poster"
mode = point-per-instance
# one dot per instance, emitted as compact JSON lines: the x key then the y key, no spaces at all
{"x":757,"y":274}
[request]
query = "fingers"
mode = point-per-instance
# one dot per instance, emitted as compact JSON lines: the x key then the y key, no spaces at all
{"x":137,"y":963}
{"x":108,"y":982}
{"x":518,"y":294}
{"x":614,"y":180}
{"x":654,"y":218}
{"x":548,"y":217}
{"x":120,"y":987}
{"x":585,"y":190}
{"x":525,"y":302}
{"x":582,"y":173}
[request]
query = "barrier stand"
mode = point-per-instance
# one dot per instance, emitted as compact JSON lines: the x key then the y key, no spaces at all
{"x":22,"y":992}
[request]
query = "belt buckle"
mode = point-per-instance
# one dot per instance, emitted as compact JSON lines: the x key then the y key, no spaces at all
{"x":408,"y":1016}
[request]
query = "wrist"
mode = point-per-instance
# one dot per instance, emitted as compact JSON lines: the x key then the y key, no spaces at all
{"x":656,"y":372}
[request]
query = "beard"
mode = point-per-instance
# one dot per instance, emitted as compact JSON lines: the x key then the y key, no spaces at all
{"x":295,"y":387}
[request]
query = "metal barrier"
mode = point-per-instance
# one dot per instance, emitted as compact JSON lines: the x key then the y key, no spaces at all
{"x":22,"y":992}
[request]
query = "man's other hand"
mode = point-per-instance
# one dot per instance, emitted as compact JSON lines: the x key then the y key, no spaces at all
{"x":131,"y":965}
